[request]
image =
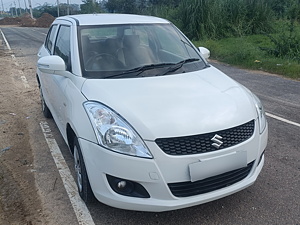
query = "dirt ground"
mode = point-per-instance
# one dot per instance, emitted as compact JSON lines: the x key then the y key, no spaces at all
{"x":19,"y":197}
{"x":26,"y":21}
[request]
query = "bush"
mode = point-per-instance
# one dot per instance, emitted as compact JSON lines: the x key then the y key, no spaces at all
{"x":286,"y":43}
{"x":201,"y":19}
{"x":245,"y":52}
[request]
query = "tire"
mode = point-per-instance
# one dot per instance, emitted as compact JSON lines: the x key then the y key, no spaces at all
{"x":82,"y":181}
{"x":45,"y":109}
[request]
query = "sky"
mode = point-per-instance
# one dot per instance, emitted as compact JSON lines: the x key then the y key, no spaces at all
{"x":11,"y":3}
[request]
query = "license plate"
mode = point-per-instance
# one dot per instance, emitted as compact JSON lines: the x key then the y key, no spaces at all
{"x":215,"y":166}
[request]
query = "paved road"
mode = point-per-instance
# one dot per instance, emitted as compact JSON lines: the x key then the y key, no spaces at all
{"x":273,"y":199}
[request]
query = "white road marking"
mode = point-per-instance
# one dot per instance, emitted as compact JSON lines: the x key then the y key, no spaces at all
{"x":25,"y":82}
{"x":23,"y":78}
{"x":6,"y":42}
{"x":283,"y":120}
{"x":82,"y":213}
{"x":15,"y":60}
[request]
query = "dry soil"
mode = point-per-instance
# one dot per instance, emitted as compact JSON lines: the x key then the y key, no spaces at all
{"x":19,"y":197}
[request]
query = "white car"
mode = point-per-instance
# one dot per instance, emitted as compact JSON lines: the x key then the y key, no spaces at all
{"x":152,"y":125}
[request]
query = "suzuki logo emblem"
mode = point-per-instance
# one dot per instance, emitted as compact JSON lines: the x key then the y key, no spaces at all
{"x":217,"y":141}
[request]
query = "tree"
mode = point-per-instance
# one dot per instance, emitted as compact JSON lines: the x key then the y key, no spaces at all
{"x":121,"y":6}
{"x":165,"y":2}
{"x":90,"y":6}
{"x":38,"y":11}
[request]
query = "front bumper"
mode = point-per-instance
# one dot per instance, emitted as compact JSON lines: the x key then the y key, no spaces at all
{"x":155,"y":174}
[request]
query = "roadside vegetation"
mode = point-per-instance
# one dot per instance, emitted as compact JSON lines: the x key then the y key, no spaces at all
{"x":255,"y":34}
{"x":252,"y":52}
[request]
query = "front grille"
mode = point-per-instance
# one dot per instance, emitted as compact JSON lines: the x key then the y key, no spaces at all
{"x":202,"y":143}
{"x":186,"y":189}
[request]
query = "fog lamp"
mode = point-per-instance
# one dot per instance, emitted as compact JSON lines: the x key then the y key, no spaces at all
{"x":122,"y":184}
{"x":127,"y":187}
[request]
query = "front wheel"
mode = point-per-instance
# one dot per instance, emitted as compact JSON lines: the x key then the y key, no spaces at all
{"x":45,"y":109}
{"x":82,"y":181}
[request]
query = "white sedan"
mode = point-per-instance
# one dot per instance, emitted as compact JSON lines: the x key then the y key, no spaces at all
{"x":152,"y":125}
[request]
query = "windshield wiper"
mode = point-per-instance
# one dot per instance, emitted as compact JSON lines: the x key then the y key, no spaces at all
{"x":141,"y":69}
{"x":148,"y":67}
{"x":178,"y":65}
{"x":138,"y":70}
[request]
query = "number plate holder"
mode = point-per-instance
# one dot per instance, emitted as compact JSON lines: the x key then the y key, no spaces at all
{"x":215,"y":166}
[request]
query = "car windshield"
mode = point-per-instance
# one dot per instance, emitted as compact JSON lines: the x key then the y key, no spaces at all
{"x":118,"y":51}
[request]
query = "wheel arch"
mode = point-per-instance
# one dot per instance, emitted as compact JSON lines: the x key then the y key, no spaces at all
{"x":38,"y":80}
{"x":70,"y":137}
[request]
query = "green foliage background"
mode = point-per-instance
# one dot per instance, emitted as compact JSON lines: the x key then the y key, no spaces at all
{"x":218,"y":24}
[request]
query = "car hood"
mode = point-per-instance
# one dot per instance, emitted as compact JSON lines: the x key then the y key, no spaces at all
{"x":175,"y":105}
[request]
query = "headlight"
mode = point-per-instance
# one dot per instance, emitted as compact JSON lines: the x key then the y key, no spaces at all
{"x":113,"y":132}
{"x":261,"y":114}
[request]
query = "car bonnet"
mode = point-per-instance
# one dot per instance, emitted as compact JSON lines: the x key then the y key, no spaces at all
{"x":175,"y":105}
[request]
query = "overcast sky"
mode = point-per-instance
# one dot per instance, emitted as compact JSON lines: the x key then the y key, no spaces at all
{"x":11,"y":3}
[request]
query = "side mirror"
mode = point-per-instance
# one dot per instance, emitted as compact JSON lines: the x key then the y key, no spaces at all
{"x":52,"y":64}
{"x":205,"y":52}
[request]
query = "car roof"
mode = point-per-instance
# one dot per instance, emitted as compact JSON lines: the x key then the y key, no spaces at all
{"x":106,"y":18}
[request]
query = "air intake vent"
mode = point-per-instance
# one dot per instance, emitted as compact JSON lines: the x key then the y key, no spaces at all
{"x":186,"y":189}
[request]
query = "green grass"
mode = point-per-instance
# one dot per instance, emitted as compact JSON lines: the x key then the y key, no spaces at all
{"x":246,"y":52}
